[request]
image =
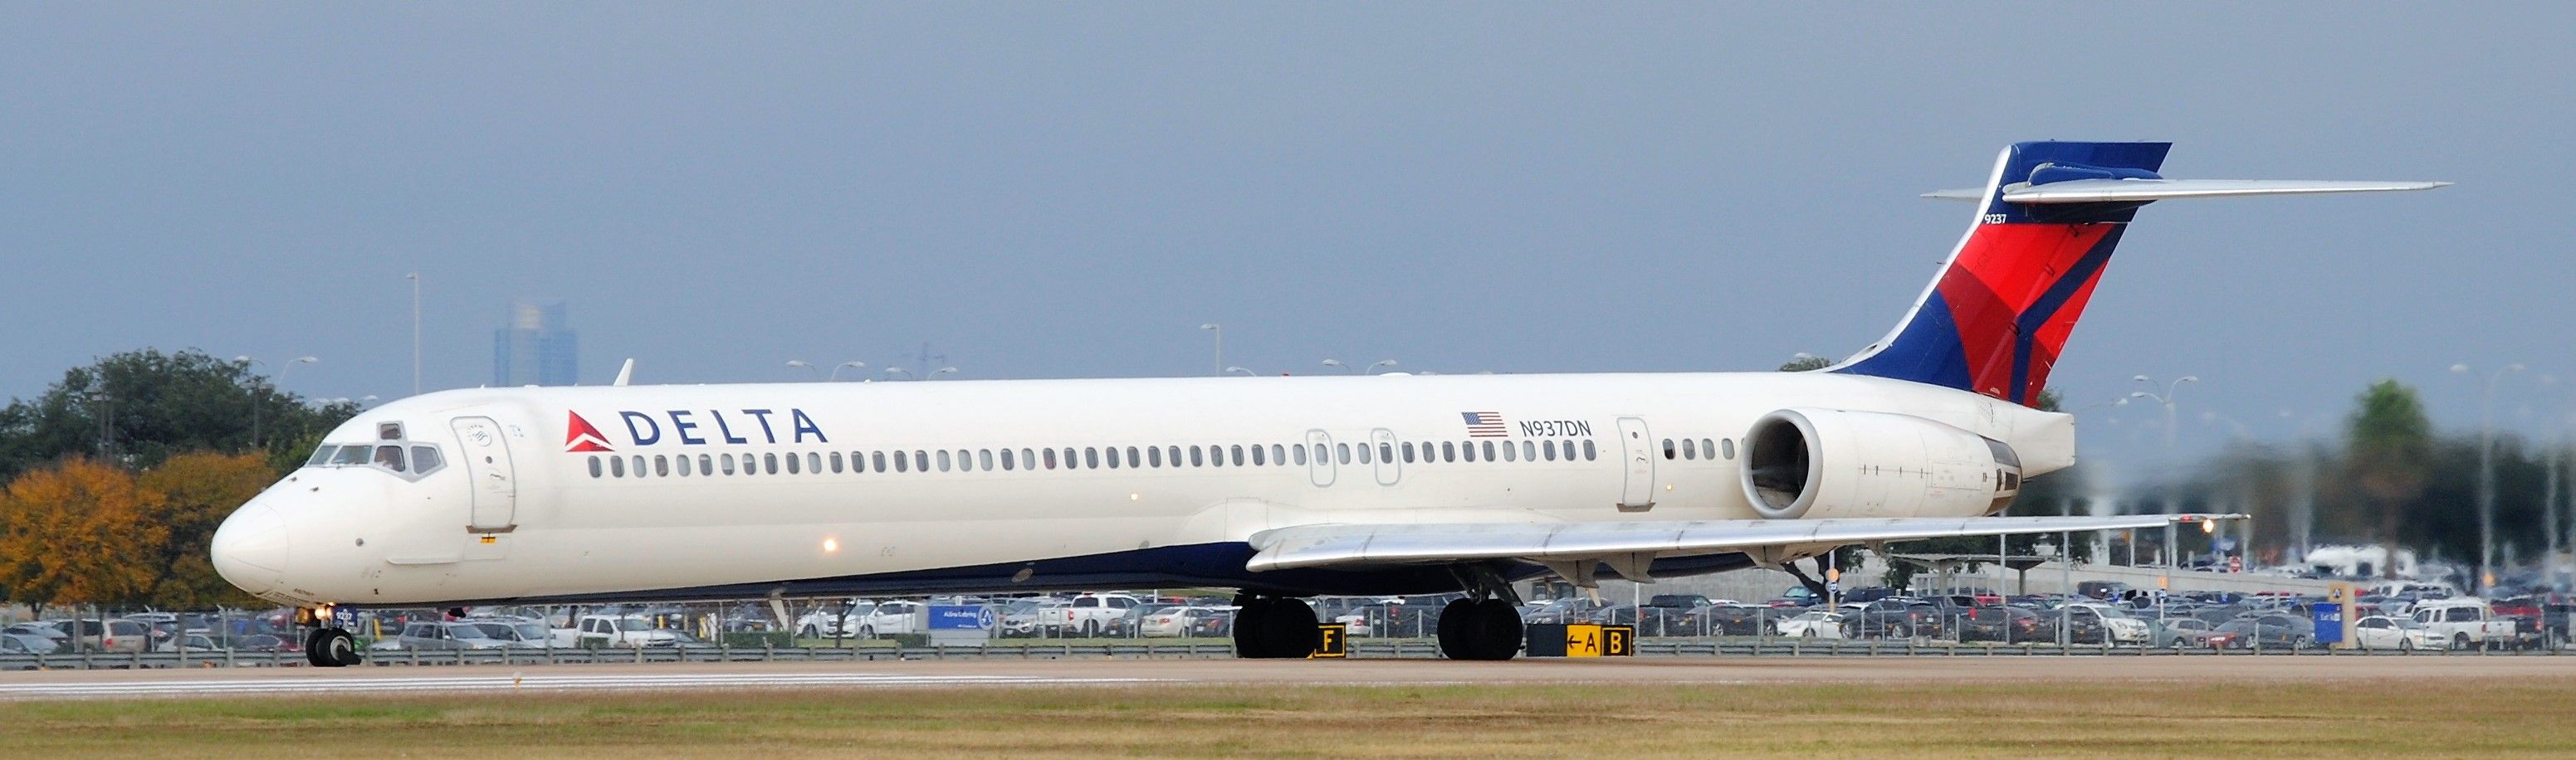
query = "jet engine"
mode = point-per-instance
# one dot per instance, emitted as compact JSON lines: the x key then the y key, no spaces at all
{"x":1832,"y":463}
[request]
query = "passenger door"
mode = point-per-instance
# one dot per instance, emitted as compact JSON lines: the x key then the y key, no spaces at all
{"x":1637,"y":453}
{"x":1319,"y":464}
{"x":1388,"y":471}
{"x":487,"y":462}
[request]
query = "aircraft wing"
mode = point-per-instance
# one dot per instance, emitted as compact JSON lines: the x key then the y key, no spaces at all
{"x":1348,"y":544}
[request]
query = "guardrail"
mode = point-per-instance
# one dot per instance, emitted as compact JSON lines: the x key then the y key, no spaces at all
{"x":1359,"y":648}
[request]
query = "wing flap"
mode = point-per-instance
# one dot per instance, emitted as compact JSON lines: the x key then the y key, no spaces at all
{"x":1332,"y":544}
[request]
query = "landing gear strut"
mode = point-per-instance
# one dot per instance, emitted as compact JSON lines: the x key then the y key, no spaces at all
{"x":1270,"y":627}
{"x":325,"y":645}
{"x":1487,"y":624}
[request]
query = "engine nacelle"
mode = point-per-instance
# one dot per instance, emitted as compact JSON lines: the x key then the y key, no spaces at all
{"x":1827,"y":463}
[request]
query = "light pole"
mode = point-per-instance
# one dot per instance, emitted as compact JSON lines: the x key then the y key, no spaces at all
{"x":1372,"y":369}
{"x":415,"y":331}
{"x":1338,"y":363}
{"x":2167,"y":399}
{"x":1220,"y":344}
{"x":836,"y":369}
{"x":1242,"y":370}
{"x":890,"y":372}
{"x":258,"y":393}
{"x":2486,"y":470}
{"x":815,"y":372}
{"x":940,"y":371}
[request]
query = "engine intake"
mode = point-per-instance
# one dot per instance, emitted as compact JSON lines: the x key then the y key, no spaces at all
{"x":1832,"y":463}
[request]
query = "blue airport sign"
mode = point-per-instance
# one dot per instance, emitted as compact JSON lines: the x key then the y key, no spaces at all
{"x":961,"y":617}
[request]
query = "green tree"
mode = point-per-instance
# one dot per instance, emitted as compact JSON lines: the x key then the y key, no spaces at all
{"x":2389,"y":455}
{"x":139,"y":408}
{"x":1806,"y":363}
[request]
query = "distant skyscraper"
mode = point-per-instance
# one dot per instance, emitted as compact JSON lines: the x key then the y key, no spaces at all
{"x":536,"y":349}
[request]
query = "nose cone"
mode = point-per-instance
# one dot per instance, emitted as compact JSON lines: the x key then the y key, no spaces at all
{"x":250,"y":548}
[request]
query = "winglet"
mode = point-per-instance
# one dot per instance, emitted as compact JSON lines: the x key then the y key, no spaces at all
{"x":624,"y":373}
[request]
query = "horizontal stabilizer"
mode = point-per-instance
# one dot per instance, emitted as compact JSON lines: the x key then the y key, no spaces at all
{"x":2138,"y":190}
{"x":1338,"y":544}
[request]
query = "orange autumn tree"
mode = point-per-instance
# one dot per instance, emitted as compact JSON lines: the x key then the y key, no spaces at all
{"x":198,"y":491}
{"x":80,"y":531}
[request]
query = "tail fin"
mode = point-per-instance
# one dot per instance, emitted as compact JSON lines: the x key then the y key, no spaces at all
{"x":1996,"y":317}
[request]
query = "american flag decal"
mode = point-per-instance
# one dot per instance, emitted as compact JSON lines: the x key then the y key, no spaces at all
{"x":1484,"y":424}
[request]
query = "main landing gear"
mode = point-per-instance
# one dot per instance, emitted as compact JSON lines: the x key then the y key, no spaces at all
{"x":1487,"y":624}
{"x":1270,"y":628}
{"x":326,"y":645}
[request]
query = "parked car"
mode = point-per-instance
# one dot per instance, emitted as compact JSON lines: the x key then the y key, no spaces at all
{"x":2264,"y":631}
{"x":1132,"y":623}
{"x":44,"y":631}
{"x":1181,"y":621}
{"x":107,"y":635}
{"x":2466,"y":623}
{"x":26,"y":643}
{"x":834,"y":619}
{"x":615,"y":631}
{"x":1572,"y":609}
{"x":2103,"y":589}
{"x":2182,"y":632}
{"x":1087,"y":614}
{"x":1019,"y":618}
{"x":1999,"y":623}
{"x":192,"y":642}
{"x":891,"y":618}
{"x":522,"y":633}
{"x":1813,"y":624}
{"x":2393,"y":632}
{"x":1738,"y":620}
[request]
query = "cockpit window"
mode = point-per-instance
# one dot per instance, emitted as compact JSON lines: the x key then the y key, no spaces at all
{"x":424,"y":458}
{"x":350,"y":455}
{"x":321,"y":456}
{"x":390,"y":457}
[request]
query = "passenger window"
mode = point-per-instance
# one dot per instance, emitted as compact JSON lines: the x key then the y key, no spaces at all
{"x":1364,"y":454}
{"x":814,"y":462}
{"x":1256,"y":455}
{"x":1547,"y":449}
{"x":1708,"y":448}
{"x":1238,"y":456}
{"x":594,"y":467}
{"x":728,"y":464}
{"x":1448,"y":451}
{"x":1408,"y":452}
{"x":1072,"y":458}
{"x":639,"y":465}
{"x":390,"y":457}
{"x":1668,"y":448}
{"x":836,"y":462}
{"x":1090,"y":458}
{"x":1278,"y":454}
{"x":984,"y":459}
{"x":1689,"y":450}
{"x":769,"y":464}
{"x":877,"y":461}
{"x":1489,"y":451}
{"x":902,"y":463}
{"x":1342,"y":453}
{"x":1111,"y":454}
{"x":617,"y":467}
{"x":661,"y":465}
{"x":920,"y":460}
{"x":1301,"y":454}
{"x":793,"y":465}
{"x":425,"y":459}
{"x":1588,"y":451}
{"x":683,"y":461}
{"x":1008,"y":463}
{"x":943,"y":460}
{"x":1470,"y":452}
{"x":1727,"y":445}
{"x":1216,"y":456}
{"x":1154,"y":455}
{"x":1386,"y":452}
{"x":1050,"y":459}
{"x":1195,"y":459}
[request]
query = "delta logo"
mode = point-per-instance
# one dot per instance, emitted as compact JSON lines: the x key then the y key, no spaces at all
{"x":687,"y":427}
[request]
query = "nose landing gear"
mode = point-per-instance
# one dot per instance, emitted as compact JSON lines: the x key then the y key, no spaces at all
{"x":326,"y":645}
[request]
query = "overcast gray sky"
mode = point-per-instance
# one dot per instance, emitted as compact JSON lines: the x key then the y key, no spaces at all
{"x":1051,"y":190}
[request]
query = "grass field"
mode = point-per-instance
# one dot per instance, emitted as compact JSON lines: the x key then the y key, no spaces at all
{"x":2123,"y":719}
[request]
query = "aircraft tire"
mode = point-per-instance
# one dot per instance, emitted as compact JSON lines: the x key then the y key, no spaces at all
{"x":1248,"y":628}
{"x":1492,"y":631}
{"x":330,"y":648}
{"x":1291,"y":630}
{"x":1453,"y":617}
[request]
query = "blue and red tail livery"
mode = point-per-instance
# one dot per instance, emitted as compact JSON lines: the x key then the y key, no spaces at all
{"x":2001,"y":310}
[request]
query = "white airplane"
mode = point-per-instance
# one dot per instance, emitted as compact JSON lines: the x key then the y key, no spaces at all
{"x":1279,"y":486}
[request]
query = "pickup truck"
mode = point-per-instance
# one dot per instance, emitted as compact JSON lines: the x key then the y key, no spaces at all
{"x":1087,"y":615}
{"x":2466,"y":623}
